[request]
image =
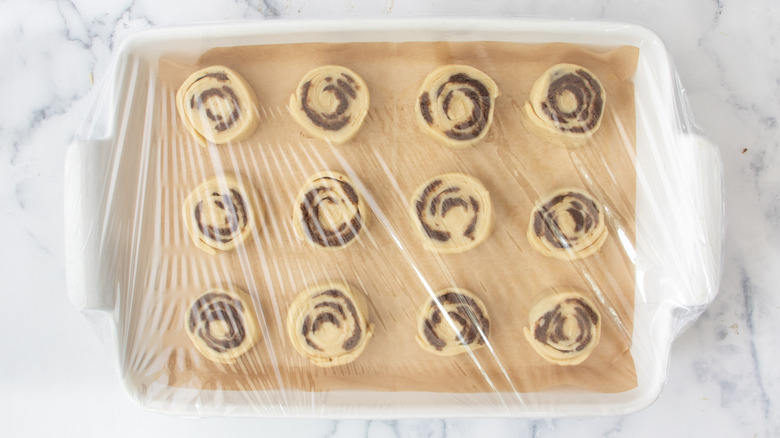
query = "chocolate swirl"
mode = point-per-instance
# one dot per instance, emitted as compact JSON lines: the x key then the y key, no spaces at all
{"x":565,"y":327}
{"x":329,"y":212}
{"x":221,"y":324}
{"x":568,"y":224}
{"x":327,"y":324}
{"x":453,"y":213}
{"x":231,"y":207}
{"x":331,"y":102}
{"x":454,"y":322}
{"x":220,"y":213}
{"x":455,"y":105}
{"x":217,"y":106}
{"x":567,"y":100}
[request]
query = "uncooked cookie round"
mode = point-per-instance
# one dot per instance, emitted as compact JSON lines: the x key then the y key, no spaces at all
{"x":329,"y":211}
{"x":220,"y":213}
{"x":454,"y":322}
{"x":328,"y":324}
{"x":452,"y":213}
{"x":331,"y":103}
{"x":568,"y":224}
{"x":565,"y":327}
{"x":566,"y":105}
{"x":222,"y":324}
{"x":217,"y":106}
{"x":455,"y":105}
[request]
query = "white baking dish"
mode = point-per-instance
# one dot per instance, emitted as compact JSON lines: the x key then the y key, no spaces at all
{"x":679,"y":213}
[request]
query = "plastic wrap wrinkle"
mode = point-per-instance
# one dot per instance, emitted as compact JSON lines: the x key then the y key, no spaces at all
{"x":387,"y":159}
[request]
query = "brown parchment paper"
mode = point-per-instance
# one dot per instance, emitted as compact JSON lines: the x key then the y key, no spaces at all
{"x":390,"y":157}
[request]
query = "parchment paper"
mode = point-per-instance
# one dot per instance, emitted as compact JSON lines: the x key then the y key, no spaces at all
{"x":389,"y":158}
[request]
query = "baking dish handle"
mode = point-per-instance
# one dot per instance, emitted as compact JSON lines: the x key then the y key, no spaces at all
{"x":706,"y":196}
{"x":84,"y":182}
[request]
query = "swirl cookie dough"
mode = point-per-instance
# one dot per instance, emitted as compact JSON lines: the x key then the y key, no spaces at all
{"x":452,"y":213}
{"x":454,"y":322}
{"x":566,"y":105}
{"x":331,"y":103}
{"x":455,"y":105}
{"x":329,"y":212}
{"x":328,"y":325}
{"x":565,"y":327}
{"x":220,"y":213}
{"x":217,"y":106}
{"x":568,"y":224}
{"x":221,"y":324}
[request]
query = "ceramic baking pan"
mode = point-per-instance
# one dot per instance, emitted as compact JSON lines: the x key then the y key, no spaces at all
{"x":674,"y":250}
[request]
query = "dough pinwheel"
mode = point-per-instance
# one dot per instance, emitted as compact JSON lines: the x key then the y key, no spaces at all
{"x":452,"y":213}
{"x":566,"y":105}
{"x":329,"y":211}
{"x":568,"y":224}
{"x":328,"y":324}
{"x":455,"y":105}
{"x":331,"y":103}
{"x":221,"y":213}
{"x":222,"y":324}
{"x":454,"y":322}
{"x":217,"y":106}
{"x":565,"y":327}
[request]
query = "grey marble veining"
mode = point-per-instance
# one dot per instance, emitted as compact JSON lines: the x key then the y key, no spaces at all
{"x":55,"y":373}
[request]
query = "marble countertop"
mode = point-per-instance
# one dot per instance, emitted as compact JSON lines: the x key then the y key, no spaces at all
{"x":56,"y":376}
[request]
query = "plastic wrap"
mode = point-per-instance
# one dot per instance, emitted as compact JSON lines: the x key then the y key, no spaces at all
{"x":419,"y":242}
